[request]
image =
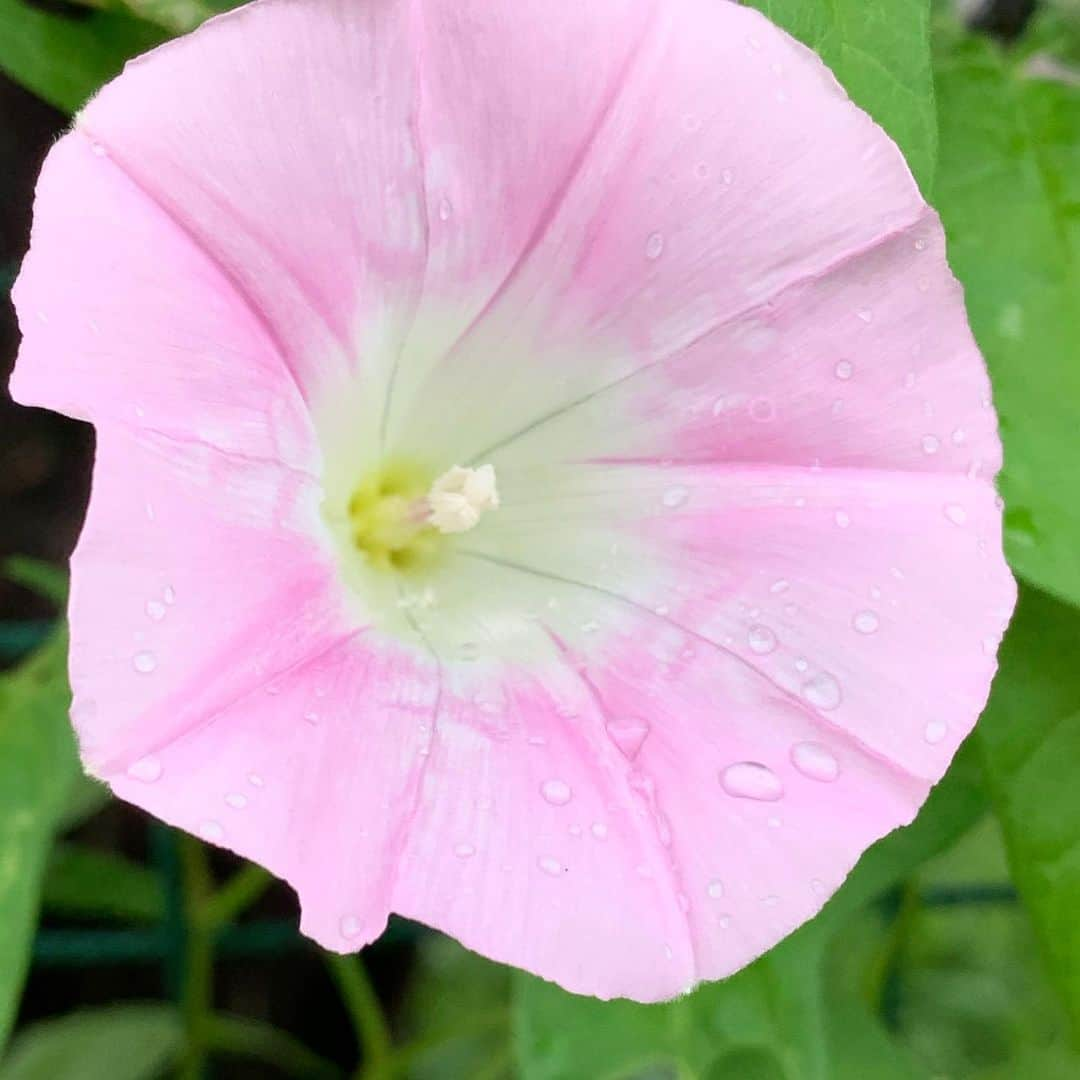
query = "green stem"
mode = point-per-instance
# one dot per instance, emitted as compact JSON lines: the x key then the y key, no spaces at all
{"x":237,"y":1036}
{"x":237,"y":895}
{"x":366,"y":1014}
{"x":196,"y":1001}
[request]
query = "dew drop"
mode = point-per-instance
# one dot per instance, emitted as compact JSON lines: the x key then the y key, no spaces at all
{"x":865,"y":315}
{"x":144,"y":662}
{"x":817,"y":886}
{"x":556,"y":792}
{"x":464,"y":851}
{"x":255,"y":780}
{"x":771,"y":900}
{"x":236,"y":800}
{"x":445,"y":210}
{"x":844,"y":369}
{"x":931,"y":444}
{"x":842,"y":519}
{"x":780,"y":586}
{"x":762,"y":410}
{"x":212,"y":831}
{"x":822,"y":691}
{"x":147,"y":769}
{"x":815,"y":761}
{"x":675,"y":497}
{"x":956,"y":514}
{"x":550,"y":865}
{"x":958,"y":437}
{"x":715,"y":889}
{"x":752,"y":780}
{"x":170,"y":595}
{"x":155,"y":609}
{"x":761,"y":640}
{"x":98,"y":150}
{"x":599,"y":830}
{"x":866,"y":622}
{"x":574,"y":830}
{"x":311,"y":718}
{"x":724,"y":922}
{"x":935,"y":731}
{"x":801,"y":664}
{"x":628,"y":733}
{"x":349,"y":926}
{"x":654,"y":246}
{"x":728,"y":176}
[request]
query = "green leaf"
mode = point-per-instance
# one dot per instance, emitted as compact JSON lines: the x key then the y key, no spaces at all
{"x":1008,"y":189}
{"x":880,"y":52}
{"x":37,"y":576}
{"x":37,"y":765}
{"x":124,"y":1042}
{"x":1030,"y":741}
{"x":65,"y":58}
{"x":87,"y":883}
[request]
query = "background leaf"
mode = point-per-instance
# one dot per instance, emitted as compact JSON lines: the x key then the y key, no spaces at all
{"x":124,"y":1042}
{"x":880,"y":52}
{"x":83,"y":882}
{"x":1030,"y":741}
{"x":65,"y":58}
{"x":37,"y":766}
{"x":1008,"y":191}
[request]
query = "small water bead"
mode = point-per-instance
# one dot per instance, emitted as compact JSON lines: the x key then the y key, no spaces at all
{"x":774,"y":822}
{"x":815,"y":761}
{"x":728,"y":176}
{"x":445,"y":209}
{"x":844,"y":369}
{"x":762,"y":410}
{"x":771,"y":900}
{"x":715,"y":889}
{"x":150,"y":513}
{"x":752,"y":780}
{"x":590,"y":627}
{"x":654,"y":246}
{"x":956,"y":514}
{"x":574,"y":830}
{"x":931,"y":444}
{"x":842,"y":519}
{"x":98,"y":150}
{"x":169,"y":595}
{"x":212,"y":831}
{"x":255,"y":780}
{"x":156,"y":610}
{"x":780,"y":586}
{"x":724,"y":922}
{"x":761,"y":640}
{"x":147,"y":769}
{"x":599,"y":830}
{"x":556,"y":792}
{"x":875,"y":593}
{"x":628,"y":733}
{"x":822,"y":691}
{"x":464,"y":851}
{"x":817,"y":886}
{"x":236,"y":800}
{"x":958,"y":437}
{"x":144,"y":662}
{"x":675,"y":497}
{"x":920,"y":244}
{"x":866,"y":622}
{"x":312,"y":718}
{"x":865,"y":315}
{"x":935,"y":731}
{"x":349,"y":926}
{"x":801,"y":664}
{"x":550,"y":865}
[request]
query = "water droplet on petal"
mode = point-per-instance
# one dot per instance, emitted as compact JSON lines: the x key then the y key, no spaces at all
{"x":842,"y":519}
{"x":817,"y":885}
{"x":958,"y":436}
{"x":761,"y":640}
{"x":236,"y":800}
{"x":715,"y":889}
{"x":865,"y":315}
{"x":628,"y":734}
{"x":762,"y":410}
{"x":724,"y":922}
{"x":935,"y":731}
{"x":822,"y":691}
{"x":147,"y":769}
{"x":599,"y":830}
{"x":445,"y":210}
{"x":550,"y":865}
{"x":464,"y":851}
{"x":844,"y":369}
{"x":654,"y":246}
{"x":956,"y":514}
{"x":212,"y":831}
{"x":780,"y":586}
{"x":170,"y":594}
{"x":156,"y":610}
{"x":556,"y":792}
{"x":866,"y":622}
{"x":815,"y":761}
{"x":931,"y":444}
{"x":255,"y":780}
{"x":349,"y":926}
{"x":674,"y":497}
{"x":144,"y":662}
{"x":752,"y":780}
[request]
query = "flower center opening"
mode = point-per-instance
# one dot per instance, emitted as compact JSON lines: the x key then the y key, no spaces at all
{"x":397,"y":515}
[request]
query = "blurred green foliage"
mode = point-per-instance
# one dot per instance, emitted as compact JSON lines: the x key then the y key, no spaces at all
{"x":922,"y":965}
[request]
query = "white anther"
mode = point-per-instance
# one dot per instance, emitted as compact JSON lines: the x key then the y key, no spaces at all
{"x":460,"y":496}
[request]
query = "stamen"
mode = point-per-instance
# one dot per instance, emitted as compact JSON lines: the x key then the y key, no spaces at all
{"x":460,"y":496}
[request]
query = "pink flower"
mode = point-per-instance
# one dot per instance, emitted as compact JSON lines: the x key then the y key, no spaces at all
{"x":625,"y":708}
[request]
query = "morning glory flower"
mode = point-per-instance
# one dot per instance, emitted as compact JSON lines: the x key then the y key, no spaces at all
{"x":544,"y":476}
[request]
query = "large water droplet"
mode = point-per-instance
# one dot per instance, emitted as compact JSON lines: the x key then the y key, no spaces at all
{"x":550,"y":865}
{"x":752,"y":780}
{"x":844,"y":369}
{"x":866,"y":622}
{"x":715,"y":889}
{"x":236,"y":800}
{"x":931,"y":444}
{"x":935,"y":731}
{"x":556,"y":792}
{"x":156,"y":610}
{"x":144,"y":662}
{"x":654,"y":246}
{"x":842,"y":519}
{"x":628,"y":733}
{"x":212,"y":831}
{"x":599,"y":830}
{"x":822,"y":691}
{"x":349,"y":926}
{"x":956,"y":514}
{"x":147,"y":769}
{"x":815,"y":761}
{"x":761,"y":640}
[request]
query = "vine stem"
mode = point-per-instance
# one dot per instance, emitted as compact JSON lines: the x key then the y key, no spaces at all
{"x":197,"y":997}
{"x":366,"y":1014}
